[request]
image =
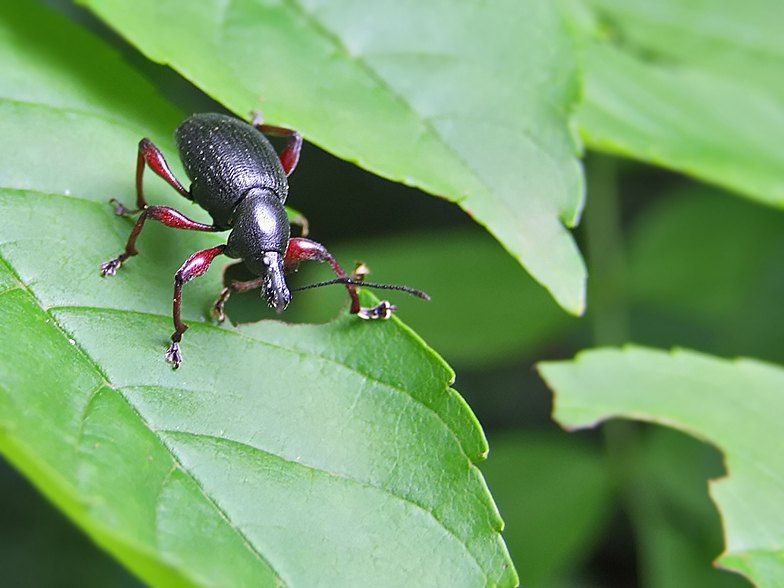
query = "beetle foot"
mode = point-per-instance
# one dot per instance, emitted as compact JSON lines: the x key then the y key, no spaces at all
{"x":383,"y":311}
{"x":120,"y":209}
{"x":109,"y":268}
{"x":218,"y":308}
{"x":217,"y":313}
{"x":173,"y":355}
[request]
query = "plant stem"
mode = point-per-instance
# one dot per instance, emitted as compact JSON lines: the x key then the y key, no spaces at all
{"x":608,"y":307}
{"x":607,"y":282}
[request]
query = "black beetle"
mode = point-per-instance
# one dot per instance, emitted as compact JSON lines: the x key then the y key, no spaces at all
{"x":239,"y":179}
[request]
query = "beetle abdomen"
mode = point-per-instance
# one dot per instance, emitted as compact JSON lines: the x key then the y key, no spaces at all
{"x":225,"y":157}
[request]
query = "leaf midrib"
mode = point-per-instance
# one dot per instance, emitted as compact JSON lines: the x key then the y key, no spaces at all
{"x":359,"y":483}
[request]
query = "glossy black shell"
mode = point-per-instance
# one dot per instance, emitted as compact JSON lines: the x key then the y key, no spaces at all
{"x":260,"y":225}
{"x":224,"y":158}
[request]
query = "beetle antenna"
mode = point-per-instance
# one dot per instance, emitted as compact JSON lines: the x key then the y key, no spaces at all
{"x":417,"y":293}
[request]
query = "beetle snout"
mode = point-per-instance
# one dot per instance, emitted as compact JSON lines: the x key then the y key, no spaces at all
{"x":277,"y":294}
{"x":276,"y":291}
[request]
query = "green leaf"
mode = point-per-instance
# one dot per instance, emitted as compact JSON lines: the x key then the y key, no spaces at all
{"x":740,"y":41}
{"x":474,"y":321}
{"x":694,"y":86}
{"x":277,"y":454}
{"x":735,"y":405}
{"x":476,"y":112}
{"x":555,"y":494}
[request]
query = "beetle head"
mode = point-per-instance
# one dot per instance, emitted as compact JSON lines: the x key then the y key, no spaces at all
{"x":275,"y":289}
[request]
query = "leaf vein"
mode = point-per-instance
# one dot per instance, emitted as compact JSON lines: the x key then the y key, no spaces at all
{"x":313,"y":469}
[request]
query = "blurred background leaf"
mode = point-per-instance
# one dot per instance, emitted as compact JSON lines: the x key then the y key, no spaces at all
{"x":678,"y":527}
{"x":707,"y":271}
{"x":39,"y":547}
{"x":555,"y":493}
{"x":734,"y":405}
{"x":692,"y":86}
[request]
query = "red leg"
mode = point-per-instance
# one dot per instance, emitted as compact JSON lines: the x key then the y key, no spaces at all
{"x":150,"y":155}
{"x":196,"y":266}
{"x":290,"y":155}
{"x":306,"y":250}
{"x":164,"y":214}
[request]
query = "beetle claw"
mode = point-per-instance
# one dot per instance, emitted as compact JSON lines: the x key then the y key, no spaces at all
{"x":109,"y":268}
{"x":174,"y":356}
{"x":121,"y":210}
{"x":218,"y":314}
{"x":383,"y":311}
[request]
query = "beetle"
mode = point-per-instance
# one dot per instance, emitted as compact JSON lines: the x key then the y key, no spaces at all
{"x":241,"y":181}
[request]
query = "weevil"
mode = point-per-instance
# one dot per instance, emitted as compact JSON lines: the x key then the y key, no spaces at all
{"x":241,"y":181}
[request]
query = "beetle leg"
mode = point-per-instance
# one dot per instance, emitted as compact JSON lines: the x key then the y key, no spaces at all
{"x":300,"y":250}
{"x":290,"y":155}
{"x":150,"y":155}
{"x":218,"y":308}
{"x":236,"y":286}
{"x":197,"y":265}
{"x":121,"y":210}
{"x":220,"y":303}
{"x":164,"y":214}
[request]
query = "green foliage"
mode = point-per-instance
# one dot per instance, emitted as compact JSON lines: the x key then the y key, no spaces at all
{"x":734,"y":405}
{"x":680,"y":528}
{"x":715,"y":261}
{"x":694,"y":86}
{"x":338,"y":454}
{"x":555,"y":494}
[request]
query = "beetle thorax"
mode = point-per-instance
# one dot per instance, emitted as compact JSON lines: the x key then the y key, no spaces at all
{"x":260,"y":225}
